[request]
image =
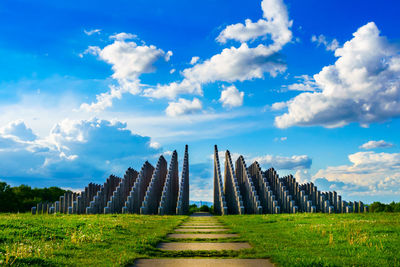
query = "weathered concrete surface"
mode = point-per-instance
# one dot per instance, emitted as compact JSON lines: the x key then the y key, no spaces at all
{"x":180,"y":246}
{"x":220,"y":207}
{"x":204,"y":236}
{"x":202,"y":226}
{"x":203,"y":262}
{"x":201,"y":230}
{"x":169,"y":195}
{"x":154,"y":190}
{"x":183,"y":195}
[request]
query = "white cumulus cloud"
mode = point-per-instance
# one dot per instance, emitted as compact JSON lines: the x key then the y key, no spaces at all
{"x":123,"y":36}
{"x":236,"y":63}
{"x":285,"y":163}
{"x":128,"y":61}
{"x":18,"y":129}
{"x":73,"y":153}
{"x":374,"y":173}
{"x":376,"y":144}
{"x":307,"y":84}
{"x":362,"y":86}
{"x":194,"y":60}
{"x":231,"y":97}
{"x":275,"y":23}
{"x":183,"y":107}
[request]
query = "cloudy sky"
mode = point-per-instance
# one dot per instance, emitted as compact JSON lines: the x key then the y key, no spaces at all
{"x":89,"y":88}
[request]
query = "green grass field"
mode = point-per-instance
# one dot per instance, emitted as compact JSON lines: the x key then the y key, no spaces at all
{"x":116,"y":240}
{"x":80,"y":240}
{"x":371,"y":239}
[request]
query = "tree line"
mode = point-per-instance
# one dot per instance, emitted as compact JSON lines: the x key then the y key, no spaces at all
{"x":22,"y":198}
{"x":381,"y":207}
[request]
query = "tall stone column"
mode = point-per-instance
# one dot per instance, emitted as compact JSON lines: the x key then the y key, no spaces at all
{"x":251,"y":201}
{"x":183,"y":197}
{"x":231,"y":188}
{"x":138,"y":191}
{"x":169,"y":195}
{"x":153,"y":194}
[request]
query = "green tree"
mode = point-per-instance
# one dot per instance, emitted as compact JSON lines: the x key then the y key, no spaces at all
{"x":7,"y":198}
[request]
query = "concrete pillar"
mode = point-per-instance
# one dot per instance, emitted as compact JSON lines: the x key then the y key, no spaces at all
{"x":57,"y":206}
{"x":309,"y":205}
{"x":39,"y":208}
{"x":183,"y":195}
{"x":154,"y":191}
{"x":295,"y":209}
{"x":232,"y":192}
{"x":331,"y":209}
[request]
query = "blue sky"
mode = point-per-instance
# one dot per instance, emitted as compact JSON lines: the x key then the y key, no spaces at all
{"x":309,"y":87}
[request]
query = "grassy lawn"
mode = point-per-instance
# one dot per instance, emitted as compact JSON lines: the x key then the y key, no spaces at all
{"x":84,"y":240}
{"x":371,"y":239}
{"x":112,"y":240}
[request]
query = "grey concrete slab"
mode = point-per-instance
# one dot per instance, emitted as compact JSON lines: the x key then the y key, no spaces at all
{"x":201,"y":226}
{"x":201,"y":223}
{"x":204,"y":236}
{"x":201,"y":230}
{"x":203,"y":262}
{"x":179,"y":246}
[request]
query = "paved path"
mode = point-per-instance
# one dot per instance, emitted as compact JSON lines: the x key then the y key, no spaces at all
{"x":202,"y":226}
{"x":202,"y":236}
{"x":203,"y":263}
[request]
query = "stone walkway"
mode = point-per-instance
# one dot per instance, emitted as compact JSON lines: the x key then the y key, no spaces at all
{"x":202,"y":226}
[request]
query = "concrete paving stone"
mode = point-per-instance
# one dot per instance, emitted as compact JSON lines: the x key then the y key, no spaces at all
{"x":201,"y":226}
{"x":201,"y":230}
{"x":204,"y":236}
{"x":179,"y":246}
{"x":203,"y":263}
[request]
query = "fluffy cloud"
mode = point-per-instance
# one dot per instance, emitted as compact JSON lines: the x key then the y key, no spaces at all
{"x":302,"y":176}
{"x":276,"y":24}
{"x":173,"y":89}
{"x":374,"y":173}
{"x":194,"y":60}
{"x":74,"y":152}
{"x":183,"y":107}
{"x":307,"y":84}
{"x":376,"y":144}
{"x":232,"y":64}
{"x":128,"y":61}
{"x":321,"y":40}
{"x":243,"y":33}
{"x":285,"y":163}
{"x":18,"y":130}
{"x":123,"y":36}
{"x":362,"y":86}
{"x":278,"y":105}
{"x":231,"y":97}
{"x":236,"y":63}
